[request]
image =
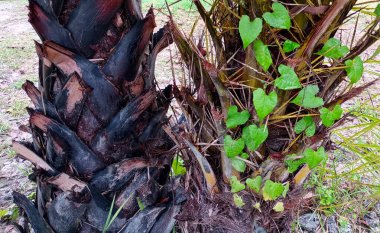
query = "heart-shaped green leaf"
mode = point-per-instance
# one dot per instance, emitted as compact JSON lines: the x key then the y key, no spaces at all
{"x":264,"y":104}
{"x":279,"y":18}
{"x":255,"y":183}
{"x":254,"y":136}
{"x":329,"y":117}
{"x":235,"y":118}
{"x":272,"y":190}
{"x":333,"y":49}
{"x":262,"y":53}
{"x":238,"y":164}
{"x":289,"y":46}
{"x":293,"y":163}
{"x":354,"y":69}
{"x":236,"y":186}
{"x":313,"y":158}
{"x":238,"y":200}
{"x":305,"y":124}
{"x":307,"y":99}
{"x":233,"y":147}
{"x":288,"y":79}
{"x":279,"y":207}
{"x":249,"y":30}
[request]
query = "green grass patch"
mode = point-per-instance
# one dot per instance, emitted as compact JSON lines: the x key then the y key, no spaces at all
{"x":350,"y":180}
{"x":18,"y":108}
{"x":4,"y":127}
{"x":14,"y":51}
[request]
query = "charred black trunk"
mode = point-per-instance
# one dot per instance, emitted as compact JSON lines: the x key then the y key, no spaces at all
{"x":98,"y":144}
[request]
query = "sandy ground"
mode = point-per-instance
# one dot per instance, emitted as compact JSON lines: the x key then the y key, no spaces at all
{"x":17,"y":63}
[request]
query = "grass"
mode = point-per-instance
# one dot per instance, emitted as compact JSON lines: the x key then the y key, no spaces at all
{"x":14,"y":51}
{"x":349,"y":182}
{"x":4,"y":127}
{"x":18,"y":108}
{"x":17,"y":85}
{"x":10,"y":153}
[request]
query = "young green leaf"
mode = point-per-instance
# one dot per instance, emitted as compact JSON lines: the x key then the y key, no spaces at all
{"x":272,"y":190}
{"x":264,"y":104}
{"x":293,"y":163}
{"x":3,"y":212}
{"x":244,"y":155}
{"x":238,"y":200}
{"x":236,"y":186}
{"x":289,"y":46}
{"x":377,"y":10}
{"x":288,"y":79}
{"x":279,"y":18}
{"x":305,"y":124}
{"x":307,"y":99}
{"x":254,"y":136}
{"x":354,"y":69}
{"x":255,"y":183}
{"x":262,"y":53}
{"x":140,"y":204}
{"x":279,"y":207}
{"x":329,"y":117}
{"x":235,"y":118}
{"x":233,"y":147}
{"x":177,"y":166}
{"x":238,"y":164}
{"x":333,"y":49}
{"x":257,"y":206}
{"x":313,"y":158}
{"x":249,"y":30}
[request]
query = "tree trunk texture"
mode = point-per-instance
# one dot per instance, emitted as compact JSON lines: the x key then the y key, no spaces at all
{"x":101,"y":158}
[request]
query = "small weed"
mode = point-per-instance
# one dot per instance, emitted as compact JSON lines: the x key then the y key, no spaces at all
{"x":364,"y":109}
{"x":18,"y":108}
{"x":13,"y":51}
{"x":326,"y":195}
{"x":10,"y":152}
{"x":4,"y":127}
{"x":11,"y":213}
{"x":24,"y":170}
{"x":344,"y":225}
{"x":18,"y":84}
{"x":4,"y":146}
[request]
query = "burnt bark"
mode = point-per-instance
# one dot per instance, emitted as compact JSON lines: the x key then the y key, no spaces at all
{"x":98,"y":140}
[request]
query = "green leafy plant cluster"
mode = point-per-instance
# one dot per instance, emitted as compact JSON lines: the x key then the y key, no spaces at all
{"x":254,"y":131}
{"x":269,"y":190}
{"x":277,"y":77}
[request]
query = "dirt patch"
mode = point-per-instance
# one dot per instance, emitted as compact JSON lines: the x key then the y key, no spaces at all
{"x":17,"y":63}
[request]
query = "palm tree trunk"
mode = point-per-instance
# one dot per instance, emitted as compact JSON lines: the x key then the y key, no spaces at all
{"x":101,"y":157}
